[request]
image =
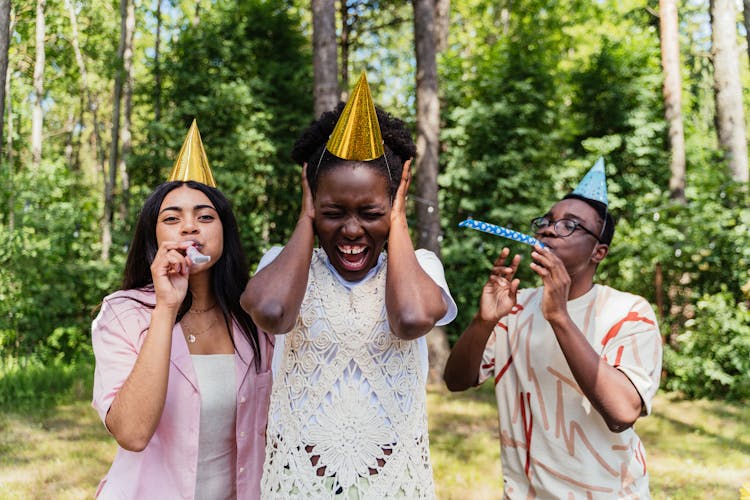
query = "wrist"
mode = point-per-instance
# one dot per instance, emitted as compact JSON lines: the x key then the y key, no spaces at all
{"x":166,"y":310}
{"x":483,"y":322}
{"x":558,"y":319}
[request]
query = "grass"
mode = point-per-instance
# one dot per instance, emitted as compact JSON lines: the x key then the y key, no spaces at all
{"x":696,"y":449}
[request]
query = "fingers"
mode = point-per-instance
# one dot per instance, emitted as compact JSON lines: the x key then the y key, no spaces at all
{"x":308,"y":206}
{"x":171,"y":259}
{"x":403,"y":186}
{"x":506,"y":271}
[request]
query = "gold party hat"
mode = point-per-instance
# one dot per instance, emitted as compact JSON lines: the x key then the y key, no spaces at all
{"x":191,"y":164}
{"x":357,"y":133}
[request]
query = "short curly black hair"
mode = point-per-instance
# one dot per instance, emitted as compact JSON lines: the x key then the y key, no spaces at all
{"x":398,"y":145}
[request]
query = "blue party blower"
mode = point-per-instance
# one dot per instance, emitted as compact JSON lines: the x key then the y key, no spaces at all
{"x":500,"y":231}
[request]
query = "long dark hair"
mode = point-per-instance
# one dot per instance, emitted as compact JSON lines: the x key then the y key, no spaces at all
{"x":228,"y":275}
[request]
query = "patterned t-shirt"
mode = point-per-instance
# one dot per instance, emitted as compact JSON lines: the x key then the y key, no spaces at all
{"x":554,"y":444}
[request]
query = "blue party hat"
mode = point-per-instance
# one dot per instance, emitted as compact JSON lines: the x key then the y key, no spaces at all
{"x":594,"y":184}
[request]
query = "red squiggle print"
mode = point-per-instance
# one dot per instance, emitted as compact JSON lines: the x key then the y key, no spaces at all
{"x":632,"y":316}
{"x":503,"y":369}
{"x":528,"y":428}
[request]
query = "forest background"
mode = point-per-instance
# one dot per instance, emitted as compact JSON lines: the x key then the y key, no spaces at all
{"x":99,"y":95}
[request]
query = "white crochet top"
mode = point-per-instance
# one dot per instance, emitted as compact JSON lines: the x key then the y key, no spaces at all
{"x":348,"y":414}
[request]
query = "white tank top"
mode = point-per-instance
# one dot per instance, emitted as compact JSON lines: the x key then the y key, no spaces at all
{"x":217,"y":448}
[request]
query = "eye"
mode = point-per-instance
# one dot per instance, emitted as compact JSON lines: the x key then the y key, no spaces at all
{"x":539,"y":223}
{"x":569,"y":225}
{"x":169,"y":219}
{"x":372,"y":215}
{"x":206,"y":217}
{"x":332,"y":214}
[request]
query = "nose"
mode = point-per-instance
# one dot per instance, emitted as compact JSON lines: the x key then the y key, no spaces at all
{"x":548,"y":230}
{"x":189,"y":227}
{"x":352,"y":228}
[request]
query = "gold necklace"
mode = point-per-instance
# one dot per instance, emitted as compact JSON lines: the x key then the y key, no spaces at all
{"x":192,"y":335}
{"x":201,"y":311}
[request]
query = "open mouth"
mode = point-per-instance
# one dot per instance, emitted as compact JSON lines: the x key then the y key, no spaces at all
{"x":353,"y":257}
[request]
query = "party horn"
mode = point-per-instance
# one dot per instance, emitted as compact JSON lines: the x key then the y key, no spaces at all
{"x":500,"y":231}
{"x":196,"y":256}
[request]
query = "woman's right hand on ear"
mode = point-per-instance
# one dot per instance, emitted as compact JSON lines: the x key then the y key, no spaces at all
{"x":170,"y":271}
{"x":308,"y":206}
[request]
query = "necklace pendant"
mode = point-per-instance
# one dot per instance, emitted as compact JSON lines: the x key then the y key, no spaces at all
{"x":191,"y":338}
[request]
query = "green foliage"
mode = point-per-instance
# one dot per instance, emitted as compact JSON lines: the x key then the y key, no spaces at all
{"x":244,"y":73}
{"x":40,"y":382}
{"x":711,"y":357}
{"x":50,"y":276}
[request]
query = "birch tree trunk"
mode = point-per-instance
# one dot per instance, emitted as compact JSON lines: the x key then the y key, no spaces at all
{"x":4,"y":44}
{"x":746,"y":22}
{"x":8,"y":106}
{"x":730,"y":117}
{"x":126,"y":132}
{"x":110,"y":180}
{"x":37,"y":115}
{"x":672,"y":91}
{"x":157,"y":64}
{"x":325,"y":62}
{"x":91,"y":100}
{"x":427,"y":166}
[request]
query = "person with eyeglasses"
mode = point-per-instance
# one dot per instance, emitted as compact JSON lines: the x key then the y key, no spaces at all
{"x":574,"y":363}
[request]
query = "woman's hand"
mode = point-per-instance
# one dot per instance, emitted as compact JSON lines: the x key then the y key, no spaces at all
{"x":170,"y":271}
{"x":499,"y":293}
{"x":398,"y":209}
{"x":308,"y":204}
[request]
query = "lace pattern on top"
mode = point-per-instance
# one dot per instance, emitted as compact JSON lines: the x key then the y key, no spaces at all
{"x":348,"y":413}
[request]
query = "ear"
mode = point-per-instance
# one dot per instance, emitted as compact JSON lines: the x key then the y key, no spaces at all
{"x":600,"y":251}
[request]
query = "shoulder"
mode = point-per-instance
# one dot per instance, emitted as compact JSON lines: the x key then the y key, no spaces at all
{"x":425,"y":256}
{"x":125,"y":310}
{"x":269,"y":256}
{"x":612,"y":298}
{"x":429,"y":262}
{"x":124,"y":301}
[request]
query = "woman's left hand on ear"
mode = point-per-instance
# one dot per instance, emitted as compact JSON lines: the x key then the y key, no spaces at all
{"x":398,"y":210}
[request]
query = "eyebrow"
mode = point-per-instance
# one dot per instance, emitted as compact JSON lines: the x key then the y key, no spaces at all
{"x":179,"y":209}
{"x":566,"y":215}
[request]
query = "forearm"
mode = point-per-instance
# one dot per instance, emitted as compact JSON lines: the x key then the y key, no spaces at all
{"x":274,"y":295}
{"x":137,"y":408}
{"x":462,"y":368}
{"x":413,"y":300}
{"x":608,"y":389}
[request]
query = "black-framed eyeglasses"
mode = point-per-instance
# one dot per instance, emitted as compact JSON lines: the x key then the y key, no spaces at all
{"x":562,"y":227}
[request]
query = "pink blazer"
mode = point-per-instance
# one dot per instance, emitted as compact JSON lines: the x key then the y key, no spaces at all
{"x":166,"y":468}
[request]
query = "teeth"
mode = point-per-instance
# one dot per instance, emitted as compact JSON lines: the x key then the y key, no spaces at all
{"x":351,"y":250}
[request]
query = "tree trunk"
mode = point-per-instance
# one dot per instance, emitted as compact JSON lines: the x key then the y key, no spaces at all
{"x":325,"y":63}
{"x":4,"y":44}
{"x":91,"y":101}
{"x":197,"y":13}
{"x":110,"y":180}
{"x":425,"y":178}
{"x":345,"y":42}
{"x":428,"y":127}
{"x":157,"y":64}
{"x":672,"y":91}
{"x":37,"y":116}
{"x":442,"y":22}
{"x":730,"y":119}
{"x":126,"y":133}
{"x":8,"y":106}
{"x":746,"y":22}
